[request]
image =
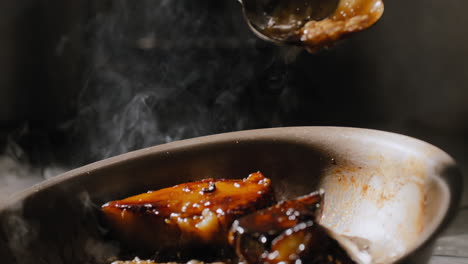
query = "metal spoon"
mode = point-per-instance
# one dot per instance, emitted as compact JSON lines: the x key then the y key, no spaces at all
{"x":277,"y":21}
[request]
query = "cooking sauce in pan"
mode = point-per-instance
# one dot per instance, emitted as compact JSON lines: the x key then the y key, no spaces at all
{"x":199,"y":215}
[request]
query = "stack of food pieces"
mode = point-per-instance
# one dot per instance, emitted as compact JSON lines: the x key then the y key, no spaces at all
{"x":240,"y":216}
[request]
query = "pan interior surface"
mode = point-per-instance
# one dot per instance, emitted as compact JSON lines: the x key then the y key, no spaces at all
{"x":385,"y":192}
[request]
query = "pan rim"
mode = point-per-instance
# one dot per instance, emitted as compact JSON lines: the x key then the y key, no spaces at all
{"x":452,"y":184}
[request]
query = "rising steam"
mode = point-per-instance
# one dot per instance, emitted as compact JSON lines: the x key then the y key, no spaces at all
{"x":168,"y":70}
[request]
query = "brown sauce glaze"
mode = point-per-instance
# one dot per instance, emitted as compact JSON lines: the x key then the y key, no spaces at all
{"x":217,"y":213}
{"x":321,"y":23}
{"x":286,"y":233}
{"x":190,"y":214}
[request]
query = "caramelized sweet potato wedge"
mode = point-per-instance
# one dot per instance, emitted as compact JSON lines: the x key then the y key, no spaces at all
{"x":286,"y":233}
{"x":189,"y":215}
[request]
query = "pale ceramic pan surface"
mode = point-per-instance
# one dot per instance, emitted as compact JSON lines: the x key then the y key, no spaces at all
{"x":389,"y":193}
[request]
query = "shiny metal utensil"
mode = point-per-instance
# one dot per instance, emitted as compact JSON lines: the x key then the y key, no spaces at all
{"x":278,"y":20}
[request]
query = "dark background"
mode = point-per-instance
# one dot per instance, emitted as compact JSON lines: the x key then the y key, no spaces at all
{"x":84,"y":80}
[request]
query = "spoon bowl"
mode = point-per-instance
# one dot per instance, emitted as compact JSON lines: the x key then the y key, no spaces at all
{"x":314,"y":24}
{"x":277,"y":20}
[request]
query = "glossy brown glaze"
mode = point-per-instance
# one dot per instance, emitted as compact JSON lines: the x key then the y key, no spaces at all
{"x":350,"y":16}
{"x":320,"y":23}
{"x":286,"y":233}
{"x":188,"y":215}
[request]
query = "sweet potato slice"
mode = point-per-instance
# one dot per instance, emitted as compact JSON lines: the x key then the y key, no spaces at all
{"x":189,"y":215}
{"x":286,"y":233}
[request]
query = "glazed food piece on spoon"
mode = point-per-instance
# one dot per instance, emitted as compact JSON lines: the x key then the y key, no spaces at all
{"x":286,"y":233}
{"x":350,"y":16}
{"x":189,"y":215}
{"x":313,"y":24}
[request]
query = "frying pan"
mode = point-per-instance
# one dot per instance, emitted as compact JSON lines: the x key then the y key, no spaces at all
{"x":389,"y":192}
